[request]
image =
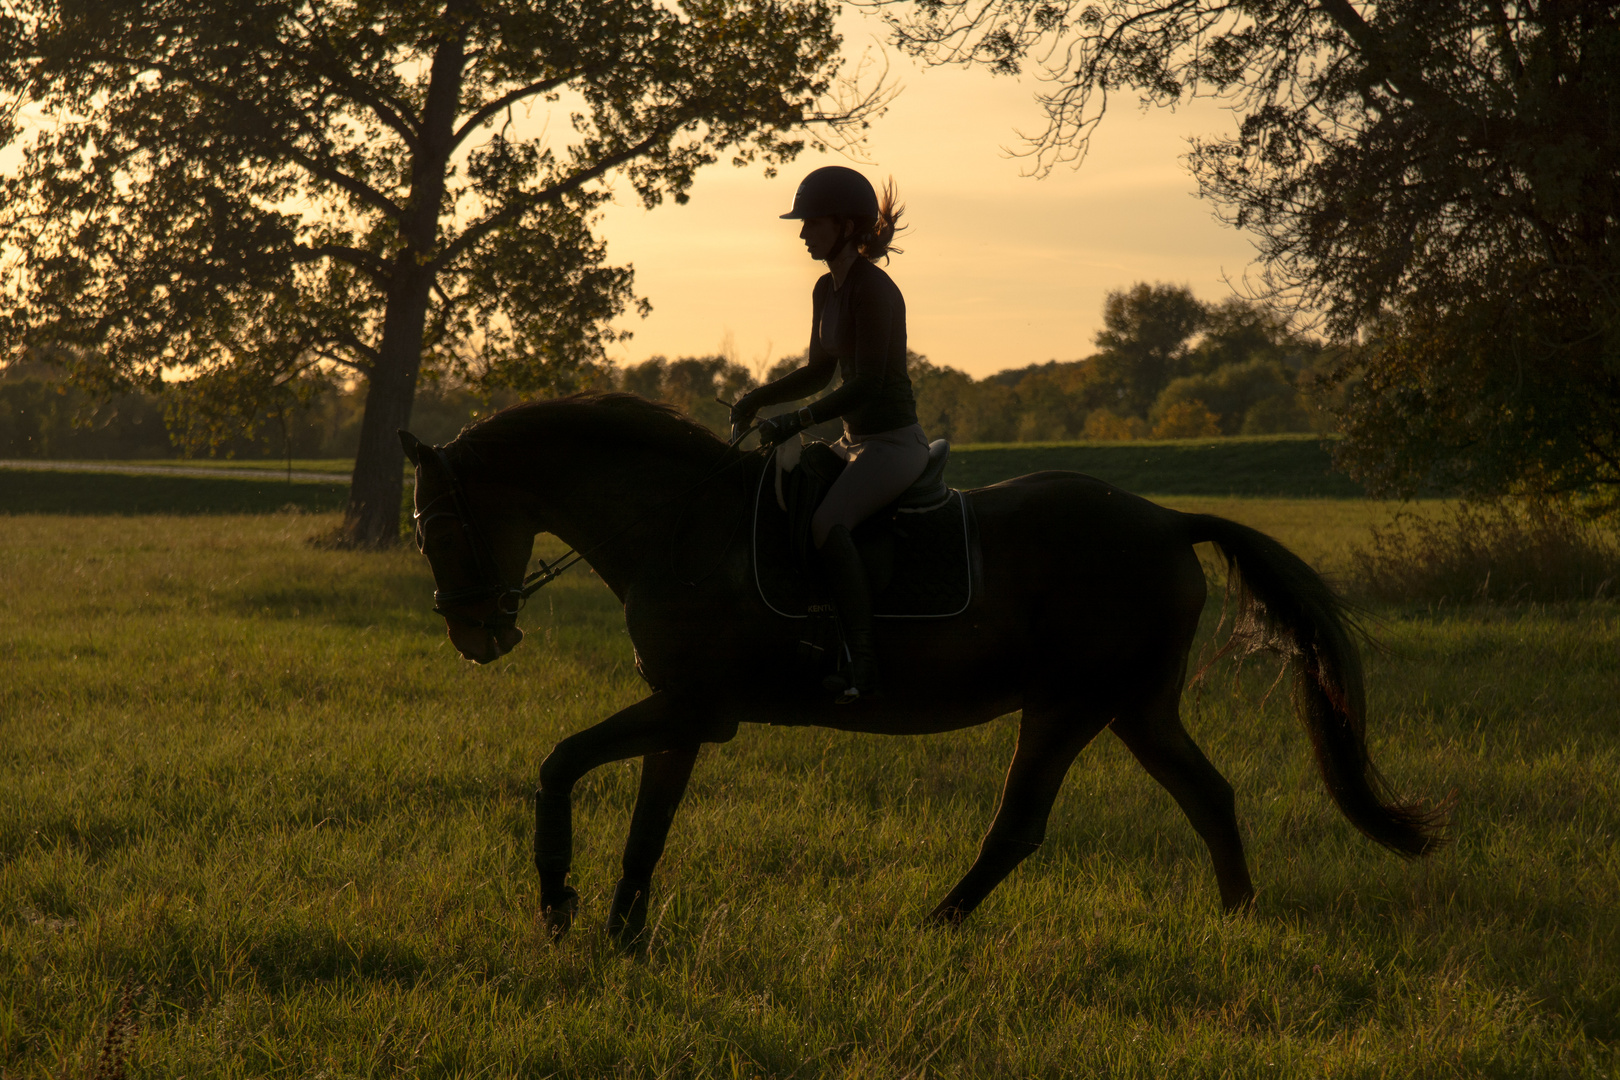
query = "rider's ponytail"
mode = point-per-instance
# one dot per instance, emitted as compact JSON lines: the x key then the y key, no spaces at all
{"x":874,"y":239}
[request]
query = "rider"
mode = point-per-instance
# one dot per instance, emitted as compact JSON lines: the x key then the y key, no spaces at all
{"x":858,"y":327}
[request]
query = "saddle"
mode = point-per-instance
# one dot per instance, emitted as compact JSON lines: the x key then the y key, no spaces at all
{"x":918,"y":550}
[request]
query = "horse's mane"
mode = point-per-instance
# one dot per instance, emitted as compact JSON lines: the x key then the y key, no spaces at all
{"x":627,"y":419}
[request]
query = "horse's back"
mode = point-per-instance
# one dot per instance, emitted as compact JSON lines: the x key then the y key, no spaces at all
{"x":1100,"y":569}
{"x":1079,"y":509}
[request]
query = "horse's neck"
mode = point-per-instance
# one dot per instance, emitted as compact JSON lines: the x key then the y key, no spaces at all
{"x":615,"y":505}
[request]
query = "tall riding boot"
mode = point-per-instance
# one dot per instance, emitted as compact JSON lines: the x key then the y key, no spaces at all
{"x":846,"y":574}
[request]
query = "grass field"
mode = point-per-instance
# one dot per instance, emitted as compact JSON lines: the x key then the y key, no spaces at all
{"x":112,"y":493}
{"x":260,"y":820}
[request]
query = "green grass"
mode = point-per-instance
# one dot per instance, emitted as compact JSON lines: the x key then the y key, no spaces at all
{"x":250,"y":783}
{"x":1298,"y":466}
{"x":27,"y":492}
{"x":340,"y":466}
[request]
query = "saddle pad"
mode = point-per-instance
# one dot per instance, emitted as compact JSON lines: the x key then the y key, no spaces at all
{"x":932,"y":575}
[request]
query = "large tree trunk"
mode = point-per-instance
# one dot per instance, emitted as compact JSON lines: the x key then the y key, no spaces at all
{"x":377,"y":488}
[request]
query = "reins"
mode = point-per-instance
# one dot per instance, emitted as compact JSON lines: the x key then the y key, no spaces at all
{"x":510,"y":598}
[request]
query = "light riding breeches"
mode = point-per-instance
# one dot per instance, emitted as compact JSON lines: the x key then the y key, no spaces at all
{"x":881,"y":466}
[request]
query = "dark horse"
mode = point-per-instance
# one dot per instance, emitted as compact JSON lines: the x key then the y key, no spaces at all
{"x":1089,"y":601}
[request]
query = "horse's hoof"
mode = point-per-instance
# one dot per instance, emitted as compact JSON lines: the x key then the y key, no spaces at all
{"x":559,"y":911}
{"x":947,"y":915}
{"x":627,"y":917}
{"x":1241,"y":903}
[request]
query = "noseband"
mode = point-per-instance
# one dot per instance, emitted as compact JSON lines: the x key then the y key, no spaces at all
{"x":509,"y":597}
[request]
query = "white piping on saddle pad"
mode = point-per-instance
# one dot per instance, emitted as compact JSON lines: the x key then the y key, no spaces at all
{"x":753,"y":555}
{"x":787,"y":459}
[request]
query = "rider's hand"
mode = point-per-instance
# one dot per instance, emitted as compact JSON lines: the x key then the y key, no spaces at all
{"x":779,"y":428}
{"x":742,"y":413}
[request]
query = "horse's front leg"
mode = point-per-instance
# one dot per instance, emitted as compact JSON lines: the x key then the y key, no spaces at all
{"x":653,"y":726}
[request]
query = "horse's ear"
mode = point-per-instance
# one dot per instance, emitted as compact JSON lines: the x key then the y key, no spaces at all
{"x":412,"y":445}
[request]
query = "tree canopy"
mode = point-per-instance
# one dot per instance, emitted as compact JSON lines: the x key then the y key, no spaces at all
{"x":233,"y":196}
{"x":1438,"y":179}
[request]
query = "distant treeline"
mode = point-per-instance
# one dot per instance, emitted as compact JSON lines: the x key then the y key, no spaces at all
{"x":42,"y":416}
{"x":1167,"y":366}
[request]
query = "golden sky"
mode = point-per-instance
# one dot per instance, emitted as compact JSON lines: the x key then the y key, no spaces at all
{"x":1000,"y":270}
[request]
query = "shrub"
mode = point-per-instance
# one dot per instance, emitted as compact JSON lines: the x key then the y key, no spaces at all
{"x":1482,"y":553}
{"x":1186,"y":420}
{"x":1258,"y":395}
{"x":1274,"y":415}
{"x":1105,"y":426}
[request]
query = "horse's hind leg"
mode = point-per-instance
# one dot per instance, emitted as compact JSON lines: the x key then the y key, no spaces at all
{"x":663,"y":782}
{"x":1048,"y":742}
{"x":1160,"y":742}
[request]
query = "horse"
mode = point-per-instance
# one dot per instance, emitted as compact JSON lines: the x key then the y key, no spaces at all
{"x":1083,"y":614}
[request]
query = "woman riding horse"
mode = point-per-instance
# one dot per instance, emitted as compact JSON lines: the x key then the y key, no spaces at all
{"x":1090,"y":601}
{"x":858,"y":327}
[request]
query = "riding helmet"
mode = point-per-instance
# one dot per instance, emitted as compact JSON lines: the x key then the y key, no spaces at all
{"x":834,"y":191}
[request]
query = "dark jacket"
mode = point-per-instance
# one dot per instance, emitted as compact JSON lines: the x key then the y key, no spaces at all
{"x":860,"y":331}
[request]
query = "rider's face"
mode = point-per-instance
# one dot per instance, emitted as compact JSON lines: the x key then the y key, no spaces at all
{"x":820,"y":234}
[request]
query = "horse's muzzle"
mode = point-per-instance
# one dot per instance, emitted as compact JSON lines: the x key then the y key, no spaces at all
{"x":481,"y":645}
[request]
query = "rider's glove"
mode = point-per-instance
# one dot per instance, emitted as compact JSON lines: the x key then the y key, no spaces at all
{"x":742,"y":413}
{"x":779,"y":428}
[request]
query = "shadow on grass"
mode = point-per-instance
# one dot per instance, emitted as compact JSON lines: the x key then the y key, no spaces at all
{"x":289,"y":957}
{"x":402,"y":598}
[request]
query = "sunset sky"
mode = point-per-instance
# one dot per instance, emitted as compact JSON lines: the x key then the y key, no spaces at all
{"x":1000,"y":270}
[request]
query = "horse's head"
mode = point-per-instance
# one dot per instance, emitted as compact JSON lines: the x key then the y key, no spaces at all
{"x":478,"y":554}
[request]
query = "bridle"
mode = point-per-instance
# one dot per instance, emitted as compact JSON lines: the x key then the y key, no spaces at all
{"x":509,"y":597}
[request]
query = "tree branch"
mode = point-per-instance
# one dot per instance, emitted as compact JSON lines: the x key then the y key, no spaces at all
{"x":352,"y":341}
{"x":330,"y":173}
{"x":515,"y":210}
{"x":1375,"y":55}
{"x":389,"y":113}
{"x":338,"y":358}
{"x":1505,"y":43}
{"x":1350,"y":21}
{"x":358,"y":258}
{"x":512,"y":98}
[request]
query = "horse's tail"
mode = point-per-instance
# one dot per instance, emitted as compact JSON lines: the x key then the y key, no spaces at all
{"x":1284,"y":605}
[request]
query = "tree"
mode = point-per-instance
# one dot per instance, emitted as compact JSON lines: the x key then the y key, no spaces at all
{"x":243,"y":193}
{"x":951,"y":405}
{"x":1142,"y":346}
{"x":696,"y":385}
{"x":1240,"y":331}
{"x":1439,"y":179}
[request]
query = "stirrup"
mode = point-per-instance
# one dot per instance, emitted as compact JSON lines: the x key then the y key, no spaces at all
{"x":845,"y":692}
